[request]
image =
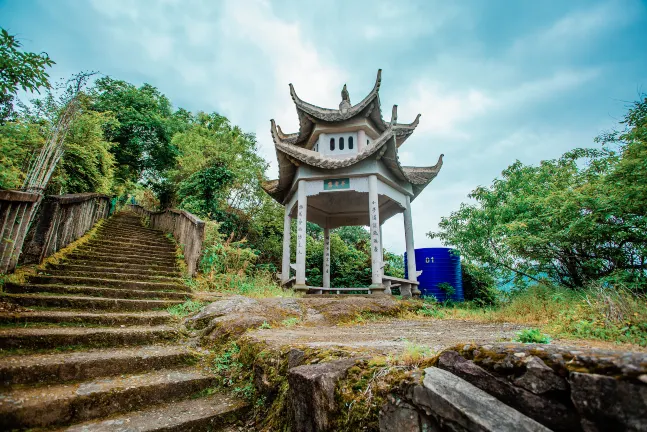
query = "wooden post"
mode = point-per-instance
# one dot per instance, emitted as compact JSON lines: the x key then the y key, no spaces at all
{"x":302,"y":208}
{"x":374,"y":225}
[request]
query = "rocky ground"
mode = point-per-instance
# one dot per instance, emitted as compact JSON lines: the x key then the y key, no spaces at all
{"x":366,"y":324}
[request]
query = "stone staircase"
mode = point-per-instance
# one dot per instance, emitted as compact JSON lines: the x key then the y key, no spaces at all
{"x":97,"y":351}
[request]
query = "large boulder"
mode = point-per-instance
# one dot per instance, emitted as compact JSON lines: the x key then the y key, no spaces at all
{"x":457,"y":405}
{"x":549,"y":412}
{"x":312,"y":394}
{"x":609,"y":404}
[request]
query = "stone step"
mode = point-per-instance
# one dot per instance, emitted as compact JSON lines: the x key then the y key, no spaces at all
{"x":115,"y":242}
{"x":88,"y":318}
{"x":88,"y":303}
{"x":146,"y":276}
{"x":63,"y":404}
{"x":141,"y":251}
{"x":118,"y":268}
{"x":211,"y":413}
{"x":95,"y":363}
{"x":105,"y":292}
{"x":134,"y":258}
{"x":57,"y":337}
{"x":130,"y":230}
{"x":105,"y":281}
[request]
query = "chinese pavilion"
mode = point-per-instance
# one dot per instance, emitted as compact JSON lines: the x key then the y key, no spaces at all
{"x":342,"y":168}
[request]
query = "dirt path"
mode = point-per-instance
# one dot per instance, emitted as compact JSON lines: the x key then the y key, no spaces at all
{"x":391,"y":336}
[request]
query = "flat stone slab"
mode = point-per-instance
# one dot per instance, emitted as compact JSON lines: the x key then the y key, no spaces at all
{"x":194,"y":415}
{"x":65,"y":403}
{"x":83,"y":365}
{"x":453,"y":401}
{"x":389,"y":336}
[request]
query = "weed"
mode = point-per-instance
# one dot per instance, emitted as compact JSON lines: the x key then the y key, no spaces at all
{"x":185,"y":309}
{"x":413,"y":355}
{"x":290,"y":322}
{"x":532,"y":336}
{"x":265,"y":326}
{"x":429,"y":310}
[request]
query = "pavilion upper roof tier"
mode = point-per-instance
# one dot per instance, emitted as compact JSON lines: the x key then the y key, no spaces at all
{"x":384,"y":148}
{"x":366,"y":115}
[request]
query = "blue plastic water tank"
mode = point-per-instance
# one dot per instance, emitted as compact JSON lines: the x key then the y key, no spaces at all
{"x":438,"y":265}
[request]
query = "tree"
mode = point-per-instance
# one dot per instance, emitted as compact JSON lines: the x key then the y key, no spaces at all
{"x":143,"y":131}
{"x":19,"y":70}
{"x":575,"y":219}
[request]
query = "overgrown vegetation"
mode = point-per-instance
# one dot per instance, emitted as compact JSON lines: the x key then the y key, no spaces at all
{"x":185,"y":309}
{"x":532,"y":335}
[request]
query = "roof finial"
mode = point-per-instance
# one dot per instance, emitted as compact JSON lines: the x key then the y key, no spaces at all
{"x":345,"y":99}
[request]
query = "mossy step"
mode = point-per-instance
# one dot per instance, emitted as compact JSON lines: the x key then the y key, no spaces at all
{"x":116,"y":259}
{"x":104,"y":292}
{"x":131,"y":245}
{"x":211,"y":413}
{"x":90,"y":364}
{"x":131,"y":229}
{"x":139,"y":254}
{"x":133,"y":276}
{"x":131,"y":236}
{"x":87,"y":303}
{"x":142,"y":269}
{"x":88,"y":318}
{"x":158,"y":237}
{"x":106,"y":281}
{"x":159,"y":241}
{"x":57,"y":337}
{"x":123,"y":251}
{"x":64,"y":404}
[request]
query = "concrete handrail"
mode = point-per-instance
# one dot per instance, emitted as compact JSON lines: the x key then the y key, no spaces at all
{"x":187,"y":229}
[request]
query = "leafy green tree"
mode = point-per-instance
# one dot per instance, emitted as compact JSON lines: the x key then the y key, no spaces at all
{"x":143,"y":131}
{"x":574,"y":220}
{"x":19,"y":70}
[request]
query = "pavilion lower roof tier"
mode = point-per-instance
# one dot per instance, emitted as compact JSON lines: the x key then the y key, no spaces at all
{"x":385,"y":149}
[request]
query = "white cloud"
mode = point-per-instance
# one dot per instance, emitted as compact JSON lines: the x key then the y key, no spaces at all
{"x":442,"y":110}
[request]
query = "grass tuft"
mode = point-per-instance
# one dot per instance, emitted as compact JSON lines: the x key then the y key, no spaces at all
{"x":185,"y":309}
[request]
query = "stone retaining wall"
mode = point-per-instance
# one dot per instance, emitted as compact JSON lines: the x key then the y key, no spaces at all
{"x":548,"y":387}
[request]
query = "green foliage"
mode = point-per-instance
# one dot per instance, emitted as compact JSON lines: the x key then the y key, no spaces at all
{"x":265,"y":326}
{"x":478,"y":285}
{"x":290,"y":322}
{"x":19,"y":70}
{"x":145,"y":127}
{"x":19,"y":140}
{"x":87,"y":164}
{"x":448,"y":289}
{"x":185,"y":309}
{"x":532,"y":335}
{"x":573,"y":220}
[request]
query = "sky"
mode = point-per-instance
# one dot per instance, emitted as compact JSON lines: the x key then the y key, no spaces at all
{"x":495,"y":81}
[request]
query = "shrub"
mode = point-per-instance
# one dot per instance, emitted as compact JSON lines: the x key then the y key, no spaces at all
{"x":532,"y":336}
{"x":185,"y":309}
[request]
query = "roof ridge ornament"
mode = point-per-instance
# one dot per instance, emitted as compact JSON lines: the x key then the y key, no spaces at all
{"x":394,"y":115}
{"x":345,"y":100}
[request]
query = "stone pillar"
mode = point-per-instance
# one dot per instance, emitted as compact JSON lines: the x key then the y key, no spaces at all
{"x":285,"y":263}
{"x":408,"y":238}
{"x":374,"y":225}
{"x":326,"y":258}
{"x":302,"y":207}
{"x":361,"y":140}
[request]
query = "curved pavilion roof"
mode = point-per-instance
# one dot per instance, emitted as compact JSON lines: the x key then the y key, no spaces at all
{"x":292,"y":149}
